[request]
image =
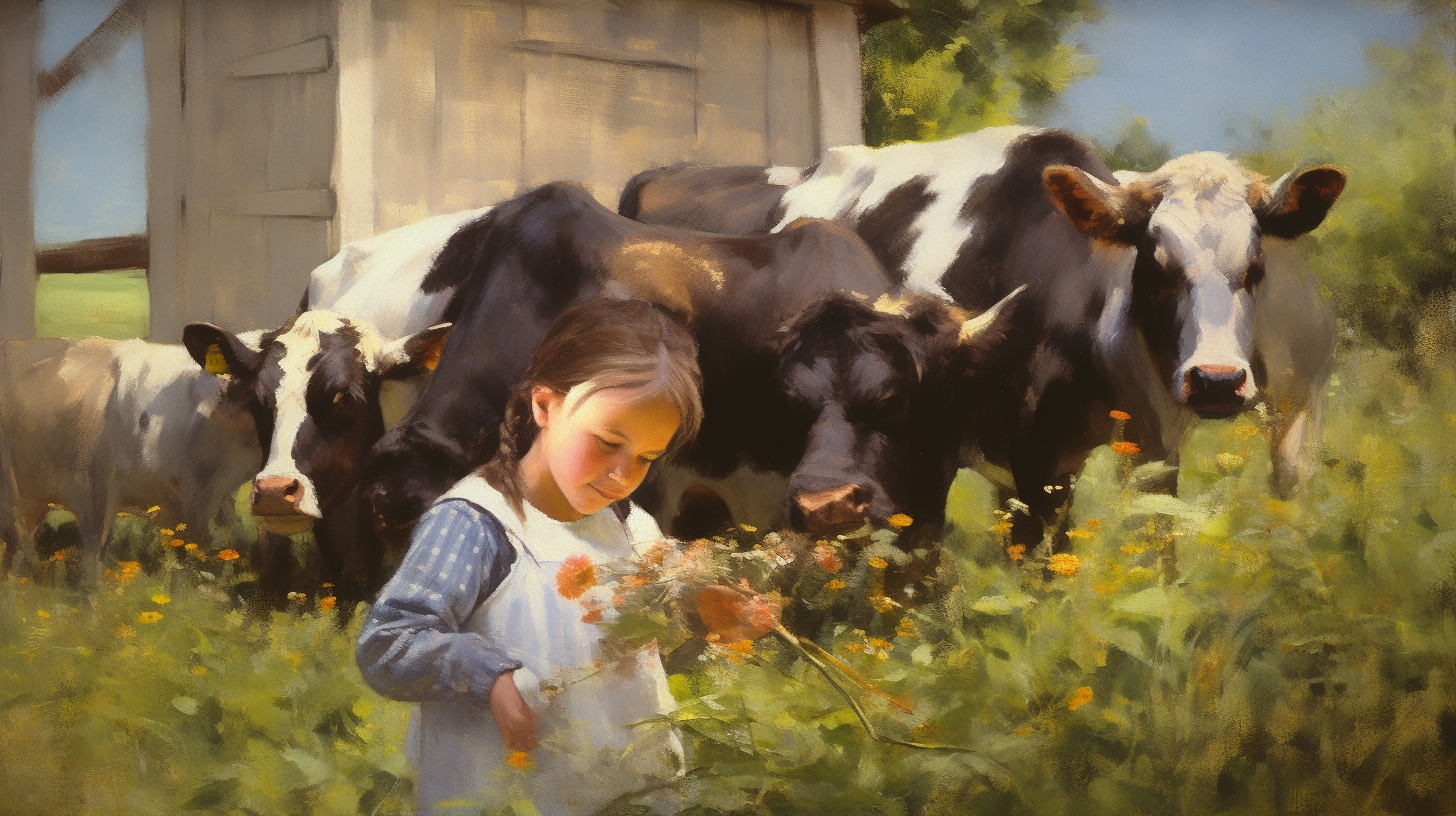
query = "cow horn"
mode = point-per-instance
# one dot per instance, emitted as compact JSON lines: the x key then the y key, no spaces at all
{"x":973,"y":327}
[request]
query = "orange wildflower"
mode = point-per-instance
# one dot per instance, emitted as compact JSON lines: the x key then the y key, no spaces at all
{"x":1064,"y":563}
{"x":835,"y":584}
{"x":878,"y":562}
{"x":592,"y":616}
{"x":1125,"y":448}
{"x":735,"y":615}
{"x":327,"y":602}
{"x":576,"y":576}
{"x":741,"y":647}
{"x":1003,"y":527}
{"x":827,"y":559}
{"x":176,"y":542}
{"x":1016,"y":551}
{"x":519,"y":759}
{"x":900,"y":520}
{"x":228,"y":555}
{"x":190,"y":546}
{"x":1081,"y":697}
{"x":1121,"y":415}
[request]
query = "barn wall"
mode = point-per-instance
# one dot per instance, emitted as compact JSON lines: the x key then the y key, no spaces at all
{"x":469,"y":103}
{"x":283,"y":128}
{"x":18,"y":30}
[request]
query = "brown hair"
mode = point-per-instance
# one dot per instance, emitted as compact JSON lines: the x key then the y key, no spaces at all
{"x":608,"y":344}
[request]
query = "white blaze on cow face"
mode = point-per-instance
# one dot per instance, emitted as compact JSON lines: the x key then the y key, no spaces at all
{"x":852,"y":181}
{"x":1205,"y":238}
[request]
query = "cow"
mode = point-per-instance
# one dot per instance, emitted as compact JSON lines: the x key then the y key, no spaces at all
{"x":1171,"y":295}
{"x":804,"y":377}
{"x":100,"y":425}
{"x":312,"y":390}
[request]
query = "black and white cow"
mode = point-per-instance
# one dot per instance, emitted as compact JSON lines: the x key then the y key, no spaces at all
{"x":822,"y":390}
{"x":100,"y":425}
{"x":312,"y":389}
{"x":1169,"y":295}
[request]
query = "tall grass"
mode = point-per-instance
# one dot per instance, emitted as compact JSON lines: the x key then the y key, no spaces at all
{"x":1217,"y":653}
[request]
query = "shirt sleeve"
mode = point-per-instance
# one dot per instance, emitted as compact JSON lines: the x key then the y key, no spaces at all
{"x":411,"y":646}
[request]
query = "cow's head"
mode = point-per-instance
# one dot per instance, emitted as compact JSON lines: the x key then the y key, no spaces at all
{"x":1198,"y":224}
{"x":869,"y":381}
{"x":313,"y":389}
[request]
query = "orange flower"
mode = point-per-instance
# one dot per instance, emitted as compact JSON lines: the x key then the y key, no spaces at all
{"x":1081,"y":697}
{"x":327,"y":602}
{"x":576,"y":576}
{"x":900,"y":520}
{"x":735,"y":615}
{"x":189,"y":547}
{"x":1016,"y":551}
{"x":827,"y":559}
{"x":878,"y":562}
{"x":592,"y":616}
{"x":228,"y":555}
{"x":1094,"y":524}
{"x":740,"y":646}
{"x":835,"y":584}
{"x":519,"y":759}
{"x":176,"y":542}
{"x":1125,"y":448}
{"x":1003,"y":527}
{"x":1122,"y":415}
{"x":1064,"y":563}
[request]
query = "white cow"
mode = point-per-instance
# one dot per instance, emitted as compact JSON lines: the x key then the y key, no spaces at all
{"x":100,"y":425}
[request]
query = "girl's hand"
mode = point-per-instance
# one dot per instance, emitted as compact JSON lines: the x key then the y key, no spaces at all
{"x":515,"y":719}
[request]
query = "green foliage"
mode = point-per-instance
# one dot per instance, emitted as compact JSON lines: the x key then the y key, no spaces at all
{"x":1136,"y":149}
{"x":1216,"y":653}
{"x":1388,"y":248}
{"x":952,"y":66}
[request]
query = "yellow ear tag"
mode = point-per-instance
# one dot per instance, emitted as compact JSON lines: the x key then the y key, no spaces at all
{"x":216,"y":363}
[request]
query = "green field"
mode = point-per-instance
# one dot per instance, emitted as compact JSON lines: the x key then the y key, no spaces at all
{"x":102,"y":304}
{"x":1218,"y":653}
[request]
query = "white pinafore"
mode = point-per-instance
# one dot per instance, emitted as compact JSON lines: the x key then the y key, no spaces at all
{"x":589,"y":755}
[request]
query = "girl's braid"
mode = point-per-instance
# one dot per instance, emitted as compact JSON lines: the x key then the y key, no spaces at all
{"x":503,"y":472}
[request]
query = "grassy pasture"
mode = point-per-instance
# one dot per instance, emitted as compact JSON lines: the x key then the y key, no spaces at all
{"x":1219,"y":653}
{"x":114,"y":305}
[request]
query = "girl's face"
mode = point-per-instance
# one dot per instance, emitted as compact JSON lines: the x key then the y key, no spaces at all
{"x":593,"y":451}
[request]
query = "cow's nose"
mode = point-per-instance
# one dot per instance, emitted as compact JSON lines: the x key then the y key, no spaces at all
{"x":1216,"y":387}
{"x":276,"y":496}
{"x":833,"y":510}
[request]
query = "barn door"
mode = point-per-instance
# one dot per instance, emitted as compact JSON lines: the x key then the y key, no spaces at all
{"x":241,"y":153}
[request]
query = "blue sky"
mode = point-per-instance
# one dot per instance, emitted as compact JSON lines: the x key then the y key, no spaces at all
{"x":1196,"y":69}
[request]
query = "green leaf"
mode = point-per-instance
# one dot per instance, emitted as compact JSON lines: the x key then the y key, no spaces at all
{"x":186,"y":705}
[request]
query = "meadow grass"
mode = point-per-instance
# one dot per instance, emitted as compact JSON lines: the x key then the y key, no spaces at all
{"x":114,"y":305}
{"x":1220,"y":652}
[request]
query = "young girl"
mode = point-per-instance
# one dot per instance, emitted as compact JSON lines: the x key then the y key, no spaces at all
{"x":488,"y":623}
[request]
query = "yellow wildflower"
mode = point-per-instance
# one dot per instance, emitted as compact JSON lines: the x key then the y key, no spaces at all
{"x":153,"y":509}
{"x":166,"y":533}
{"x":878,"y":562}
{"x":189,"y":546}
{"x":519,"y":759}
{"x":149,"y":617}
{"x":1079,"y":533}
{"x":1121,"y":416}
{"x":181,"y":527}
{"x":1064,"y":563}
{"x":1003,"y":527}
{"x":161,"y":599}
{"x":882,"y":603}
{"x":1024,"y":731}
{"x":228,"y":554}
{"x":900,"y":520}
{"x":42,"y":613}
{"x":748,"y":528}
{"x":1081,"y":697}
{"x":199,"y":670}
{"x":835,"y":584}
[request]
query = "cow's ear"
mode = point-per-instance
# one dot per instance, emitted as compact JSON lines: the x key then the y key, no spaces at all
{"x":1296,"y":204}
{"x":220,"y":352}
{"x":1108,"y":212}
{"x":415,"y":354}
{"x":982,"y":333}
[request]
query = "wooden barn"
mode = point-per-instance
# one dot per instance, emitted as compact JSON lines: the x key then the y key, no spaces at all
{"x":279,"y":130}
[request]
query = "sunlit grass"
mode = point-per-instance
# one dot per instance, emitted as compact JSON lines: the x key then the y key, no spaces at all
{"x":114,"y":305}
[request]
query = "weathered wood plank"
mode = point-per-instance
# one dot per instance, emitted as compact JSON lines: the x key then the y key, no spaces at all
{"x":793,"y":115}
{"x":279,"y":204}
{"x":593,"y":52}
{"x":836,"y":66}
{"x":732,"y":83}
{"x":162,"y":64}
{"x":479,"y":90}
{"x":308,"y":57}
{"x":19,"y":27}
